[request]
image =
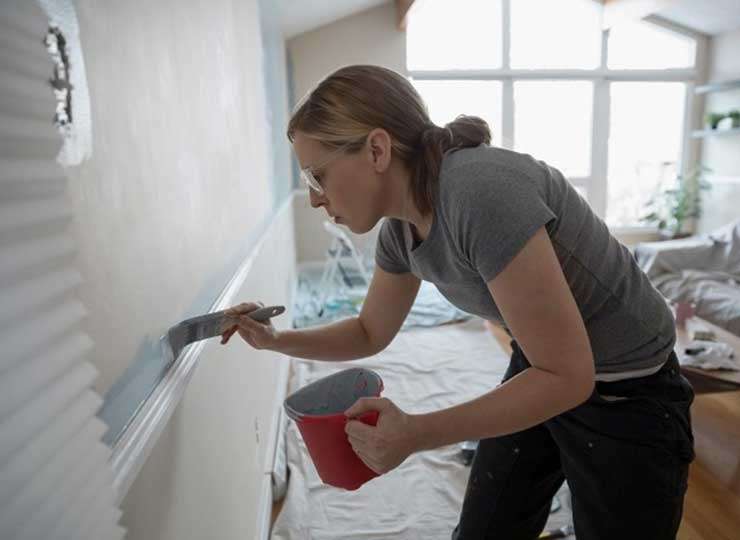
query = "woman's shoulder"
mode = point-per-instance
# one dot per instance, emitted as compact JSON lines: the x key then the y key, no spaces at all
{"x":491,"y":158}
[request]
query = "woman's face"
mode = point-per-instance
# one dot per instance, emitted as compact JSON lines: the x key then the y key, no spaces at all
{"x":351,"y":182}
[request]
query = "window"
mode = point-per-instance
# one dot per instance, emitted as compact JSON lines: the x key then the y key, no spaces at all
{"x":606,"y":108}
{"x":465,"y":34}
{"x":538,"y":43}
{"x":641,"y":45}
{"x":552,"y":121}
{"x":642,"y":157}
{"x":448,"y":99}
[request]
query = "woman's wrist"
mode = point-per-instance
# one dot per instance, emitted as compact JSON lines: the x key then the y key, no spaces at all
{"x":422,"y":433}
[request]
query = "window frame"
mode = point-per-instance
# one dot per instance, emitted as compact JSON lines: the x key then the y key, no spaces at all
{"x":595,"y":184}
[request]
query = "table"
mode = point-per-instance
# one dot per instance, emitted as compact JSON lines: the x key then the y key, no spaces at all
{"x":704,"y":380}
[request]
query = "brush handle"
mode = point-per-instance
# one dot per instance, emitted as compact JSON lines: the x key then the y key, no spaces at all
{"x":212,"y":324}
{"x":264,"y":313}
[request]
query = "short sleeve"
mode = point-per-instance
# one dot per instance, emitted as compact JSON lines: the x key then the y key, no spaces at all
{"x":493,"y":211}
{"x":390,"y":253}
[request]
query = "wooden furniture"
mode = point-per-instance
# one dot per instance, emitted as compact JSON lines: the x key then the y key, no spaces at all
{"x":703,"y":380}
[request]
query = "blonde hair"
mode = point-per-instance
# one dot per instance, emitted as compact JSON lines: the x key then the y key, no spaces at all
{"x":354,"y":100}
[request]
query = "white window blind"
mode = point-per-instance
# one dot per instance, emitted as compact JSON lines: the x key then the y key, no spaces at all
{"x":55,"y":477}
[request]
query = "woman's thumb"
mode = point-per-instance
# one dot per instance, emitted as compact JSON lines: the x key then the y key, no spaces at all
{"x":365,"y":404}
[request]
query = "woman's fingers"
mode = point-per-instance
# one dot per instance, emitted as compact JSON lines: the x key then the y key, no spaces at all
{"x":244,"y":307}
{"x":226,"y":336}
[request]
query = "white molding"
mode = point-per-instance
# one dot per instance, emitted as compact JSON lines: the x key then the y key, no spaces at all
{"x":142,"y":432}
{"x":264,"y":511}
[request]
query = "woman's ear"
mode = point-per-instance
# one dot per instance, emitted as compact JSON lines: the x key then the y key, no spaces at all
{"x":379,"y":143}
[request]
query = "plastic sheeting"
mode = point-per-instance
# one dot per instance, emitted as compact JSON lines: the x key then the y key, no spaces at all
{"x":430,"y":307}
{"x":423,"y":369}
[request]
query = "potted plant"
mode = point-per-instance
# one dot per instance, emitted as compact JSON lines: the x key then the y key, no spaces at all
{"x":735,"y":115}
{"x":712,"y":119}
{"x":671,"y":208}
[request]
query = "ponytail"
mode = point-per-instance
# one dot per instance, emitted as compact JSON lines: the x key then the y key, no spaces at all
{"x":463,"y":132}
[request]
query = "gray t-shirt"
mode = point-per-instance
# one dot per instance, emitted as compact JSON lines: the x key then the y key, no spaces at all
{"x":490,"y":202}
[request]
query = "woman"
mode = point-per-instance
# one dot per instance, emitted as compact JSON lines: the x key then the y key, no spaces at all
{"x":593,"y":392}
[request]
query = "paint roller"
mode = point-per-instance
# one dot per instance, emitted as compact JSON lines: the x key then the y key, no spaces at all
{"x":204,"y":327}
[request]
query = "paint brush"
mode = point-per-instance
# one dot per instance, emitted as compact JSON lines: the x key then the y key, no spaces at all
{"x":204,"y":327}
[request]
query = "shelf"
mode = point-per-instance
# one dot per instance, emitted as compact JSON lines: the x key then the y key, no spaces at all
{"x":717,"y":87}
{"x":715,"y":132}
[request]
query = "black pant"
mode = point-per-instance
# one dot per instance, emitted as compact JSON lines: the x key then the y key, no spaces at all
{"x":625,"y":453}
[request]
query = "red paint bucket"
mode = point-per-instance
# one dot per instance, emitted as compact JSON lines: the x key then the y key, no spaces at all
{"x":318,"y":410}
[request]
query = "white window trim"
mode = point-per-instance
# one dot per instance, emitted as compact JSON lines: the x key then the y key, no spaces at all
{"x":596,"y":183}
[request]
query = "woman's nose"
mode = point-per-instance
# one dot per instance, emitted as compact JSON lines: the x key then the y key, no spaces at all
{"x":315,"y":198}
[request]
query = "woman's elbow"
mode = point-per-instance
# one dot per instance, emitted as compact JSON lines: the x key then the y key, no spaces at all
{"x":584,"y":381}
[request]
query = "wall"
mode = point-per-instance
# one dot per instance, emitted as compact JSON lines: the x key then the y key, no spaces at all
{"x":278,"y":98}
{"x":369,"y":37}
{"x":209,"y":474}
{"x":722,"y":153}
{"x":180,"y":170}
{"x":184,"y":178}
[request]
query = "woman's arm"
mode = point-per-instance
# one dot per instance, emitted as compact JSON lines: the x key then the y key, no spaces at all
{"x":539,"y":309}
{"x":387,"y":303}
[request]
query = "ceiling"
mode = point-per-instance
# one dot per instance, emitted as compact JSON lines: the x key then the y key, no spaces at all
{"x":299,"y":16}
{"x":707,"y":16}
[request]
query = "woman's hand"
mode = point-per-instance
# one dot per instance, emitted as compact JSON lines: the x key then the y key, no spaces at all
{"x":386,"y":445}
{"x":260,"y":335}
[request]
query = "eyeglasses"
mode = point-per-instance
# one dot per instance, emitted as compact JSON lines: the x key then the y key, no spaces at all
{"x":307,"y":174}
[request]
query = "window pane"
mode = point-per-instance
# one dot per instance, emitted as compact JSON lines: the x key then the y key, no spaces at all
{"x":642,"y":45}
{"x":464,"y":34}
{"x":449,"y":99}
{"x":644,"y":145}
{"x":552,"y":122}
{"x":538,"y":41}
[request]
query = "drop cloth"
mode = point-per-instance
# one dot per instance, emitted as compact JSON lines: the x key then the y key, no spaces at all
{"x":423,"y":369}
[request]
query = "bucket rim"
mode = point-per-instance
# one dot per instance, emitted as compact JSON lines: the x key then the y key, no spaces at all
{"x":297,"y":416}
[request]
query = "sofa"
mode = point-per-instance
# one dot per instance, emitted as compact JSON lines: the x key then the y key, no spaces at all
{"x":702,"y":269}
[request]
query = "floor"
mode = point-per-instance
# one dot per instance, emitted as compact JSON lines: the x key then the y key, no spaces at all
{"x":712,"y":505}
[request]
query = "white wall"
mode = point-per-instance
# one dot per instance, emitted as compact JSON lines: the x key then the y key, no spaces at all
{"x":181,"y":177}
{"x":209,"y":474}
{"x":722,"y":153}
{"x":180,"y":170}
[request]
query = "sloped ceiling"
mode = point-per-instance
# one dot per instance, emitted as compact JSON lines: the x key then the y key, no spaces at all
{"x":707,"y":16}
{"x":710,"y":17}
{"x":299,"y":16}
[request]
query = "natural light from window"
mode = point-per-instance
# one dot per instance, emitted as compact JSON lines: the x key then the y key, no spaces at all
{"x":448,"y":99}
{"x":552,"y":121}
{"x":616,"y":135}
{"x":537,"y":42}
{"x":641,"y":45}
{"x":646,"y":129}
{"x":464,"y":34}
